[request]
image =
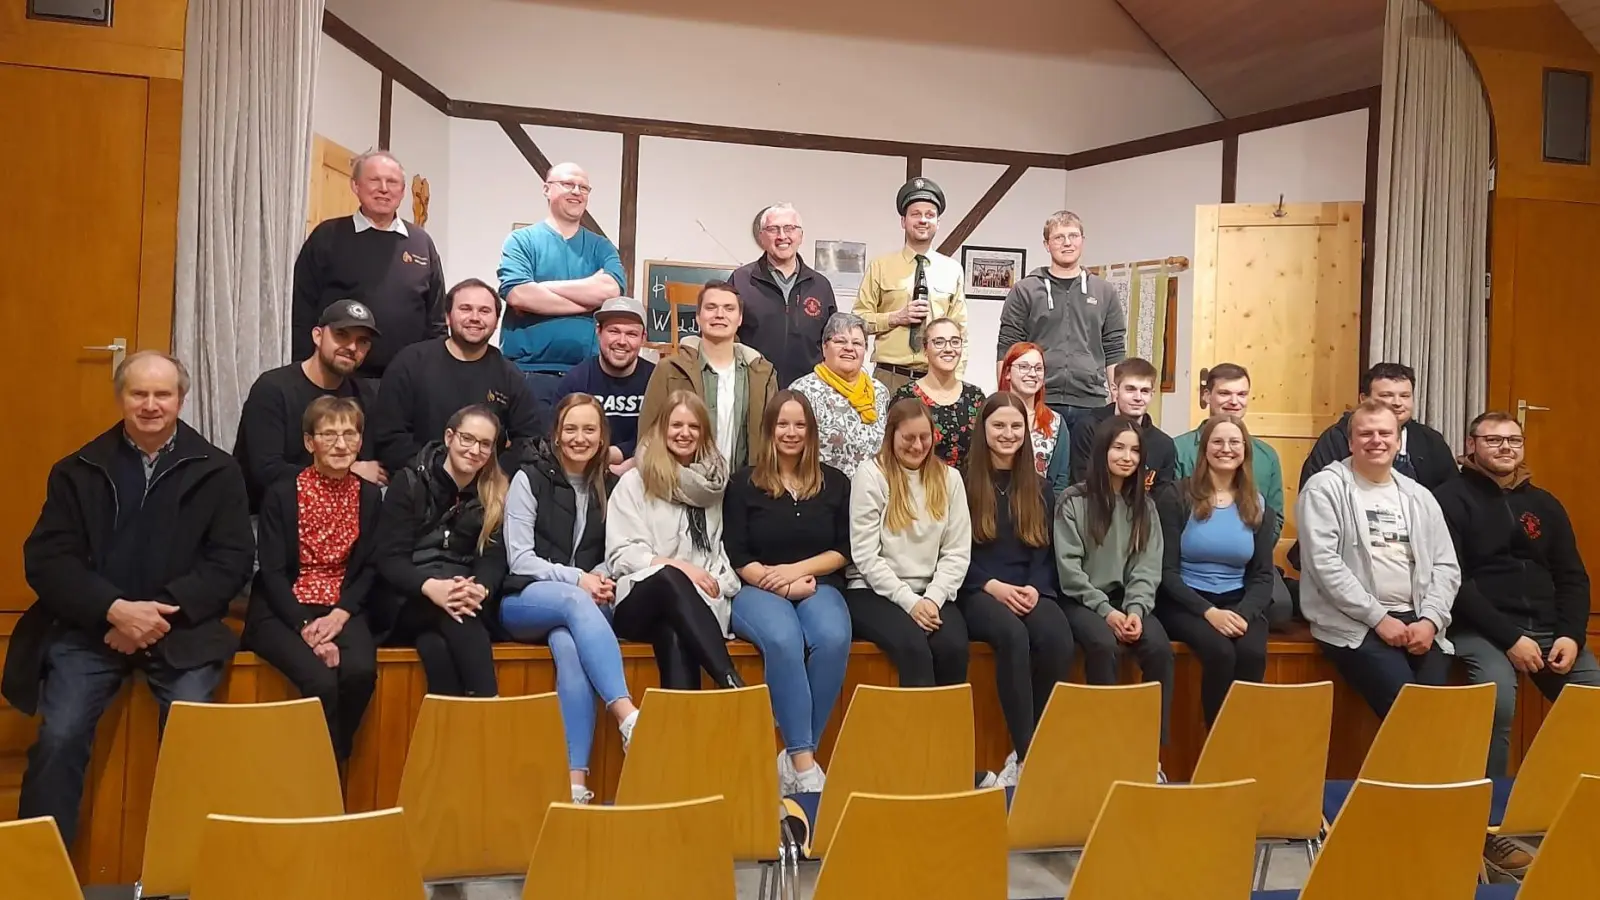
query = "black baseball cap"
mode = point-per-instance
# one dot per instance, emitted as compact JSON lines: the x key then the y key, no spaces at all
{"x":349,"y":314}
{"x":919,"y":189}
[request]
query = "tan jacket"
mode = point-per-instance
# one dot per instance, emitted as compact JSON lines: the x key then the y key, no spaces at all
{"x":682,"y":371}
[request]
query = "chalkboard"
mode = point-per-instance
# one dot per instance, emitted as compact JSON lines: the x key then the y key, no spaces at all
{"x":666,"y":282}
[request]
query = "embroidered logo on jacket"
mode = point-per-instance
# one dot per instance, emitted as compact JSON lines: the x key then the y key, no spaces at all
{"x":813,"y":307}
{"x":1531,"y":526}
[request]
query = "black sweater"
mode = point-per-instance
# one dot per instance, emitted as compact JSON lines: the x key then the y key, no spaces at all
{"x":775,"y":531}
{"x":269,"y":445}
{"x":278,"y":548}
{"x":1520,"y":568}
{"x":1159,"y":453}
{"x":426,"y":385}
{"x":398,"y":276}
{"x":1006,"y":558}
{"x":1173,"y":505}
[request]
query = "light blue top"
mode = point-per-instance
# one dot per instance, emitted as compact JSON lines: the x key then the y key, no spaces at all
{"x":538,"y":253}
{"x":1214,"y":552}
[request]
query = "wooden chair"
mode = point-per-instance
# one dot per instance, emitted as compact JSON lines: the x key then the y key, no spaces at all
{"x":266,"y":760}
{"x":479,"y":775}
{"x":1429,"y":838}
{"x":666,"y":851}
{"x":33,"y":862}
{"x":915,"y":848}
{"x":1089,"y":738}
{"x":1165,"y":841}
{"x":899,"y":741}
{"x":691,"y":744}
{"x":1566,"y":865}
{"x":1432,"y":735}
{"x":1566,"y":748}
{"x":1278,"y":735}
{"x":358,"y":857}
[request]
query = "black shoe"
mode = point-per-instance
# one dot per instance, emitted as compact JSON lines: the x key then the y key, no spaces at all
{"x":732,"y":680}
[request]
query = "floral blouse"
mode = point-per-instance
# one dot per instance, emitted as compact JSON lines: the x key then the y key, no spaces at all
{"x":1044,"y":445}
{"x":330,"y":522}
{"x":845,"y":439}
{"x":952,"y":425}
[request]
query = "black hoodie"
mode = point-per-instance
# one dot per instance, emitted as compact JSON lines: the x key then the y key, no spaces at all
{"x":1429,"y":452}
{"x":1159,"y":452}
{"x":1520,"y":568}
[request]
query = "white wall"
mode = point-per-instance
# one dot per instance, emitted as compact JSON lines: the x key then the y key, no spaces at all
{"x":1317,"y":161}
{"x":345,"y":108}
{"x":419,"y":136}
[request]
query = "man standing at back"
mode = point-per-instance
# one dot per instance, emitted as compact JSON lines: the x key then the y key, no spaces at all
{"x":1134,"y":381}
{"x":1424,"y":455}
{"x":786,"y":302}
{"x":616,"y":376}
{"x":553,"y":276}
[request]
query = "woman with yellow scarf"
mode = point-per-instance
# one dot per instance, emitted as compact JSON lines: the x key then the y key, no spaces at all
{"x":850,"y":405}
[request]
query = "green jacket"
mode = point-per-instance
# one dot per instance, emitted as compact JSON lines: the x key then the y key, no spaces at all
{"x":1268,"y":471}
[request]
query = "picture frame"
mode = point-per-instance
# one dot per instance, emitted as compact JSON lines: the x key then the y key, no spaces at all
{"x":991,"y":272}
{"x":670,"y":289}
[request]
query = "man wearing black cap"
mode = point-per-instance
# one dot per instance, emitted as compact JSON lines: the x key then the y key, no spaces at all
{"x":269,"y":445}
{"x":902,"y":292}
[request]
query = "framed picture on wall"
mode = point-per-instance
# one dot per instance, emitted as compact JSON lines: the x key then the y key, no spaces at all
{"x":671,"y":288}
{"x":991,"y":272}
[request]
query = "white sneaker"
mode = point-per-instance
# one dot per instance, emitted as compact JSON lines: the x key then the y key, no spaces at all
{"x":989,"y":780}
{"x":626,"y":727}
{"x":788,"y":778}
{"x":1161,"y":776}
{"x":581,"y":795}
{"x":1009,"y":774}
{"x":811,"y":780}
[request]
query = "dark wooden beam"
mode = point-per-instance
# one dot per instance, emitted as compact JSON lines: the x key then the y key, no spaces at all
{"x":356,"y":43}
{"x":913,"y":167}
{"x":628,"y":227}
{"x":385,"y":111}
{"x":1230,"y":168}
{"x":541,"y":163}
{"x":1369,"y":228}
{"x":986,"y":203}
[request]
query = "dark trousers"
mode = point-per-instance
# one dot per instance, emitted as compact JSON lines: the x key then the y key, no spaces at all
{"x":1378,"y":671}
{"x":1102,"y":652}
{"x":82,"y":676}
{"x":1223,"y":660}
{"x":457,"y":657}
{"x":922,"y":658}
{"x":1031,"y":653}
{"x":546,"y":390}
{"x":345,"y":690}
{"x":667,"y":611}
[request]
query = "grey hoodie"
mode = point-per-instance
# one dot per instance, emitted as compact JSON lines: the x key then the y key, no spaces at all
{"x":1082,"y":329}
{"x":1336,"y":586}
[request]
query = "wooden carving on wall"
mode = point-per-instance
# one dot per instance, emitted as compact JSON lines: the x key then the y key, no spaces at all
{"x":419,"y":200}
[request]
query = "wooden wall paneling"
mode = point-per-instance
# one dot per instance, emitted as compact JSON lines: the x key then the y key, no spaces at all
{"x":385,"y":110}
{"x":1203,"y":325}
{"x":145,"y":39}
{"x":158,"y":246}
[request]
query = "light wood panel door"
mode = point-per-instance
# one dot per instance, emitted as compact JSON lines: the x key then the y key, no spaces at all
{"x":1278,"y":291}
{"x":330,"y":195}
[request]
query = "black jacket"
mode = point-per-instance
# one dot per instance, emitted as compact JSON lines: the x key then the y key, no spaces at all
{"x":1429,"y":452}
{"x":1175,"y":508}
{"x":787,"y":333}
{"x":278,"y":540}
{"x":557,"y":515}
{"x":429,"y":529}
{"x":1520,"y":568}
{"x":1160,"y":454}
{"x":207,"y":551}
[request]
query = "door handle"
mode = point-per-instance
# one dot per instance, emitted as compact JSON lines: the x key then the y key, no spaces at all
{"x":1523,"y":408}
{"x":118,"y":348}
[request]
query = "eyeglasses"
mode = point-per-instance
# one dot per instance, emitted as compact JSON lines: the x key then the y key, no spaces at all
{"x":468,"y":442}
{"x":1496,"y":441}
{"x":334,"y":437}
{"x":1071,"y":237}
{"x":573,"y":187}
{"x":1227,"y":444}
{"x":1028,"y":369}
{"x":781,"y":229}
{"x":951,"y":343}
{"x":847,"y":344}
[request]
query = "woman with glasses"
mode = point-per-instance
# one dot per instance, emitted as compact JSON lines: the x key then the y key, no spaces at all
{"x":441,"y":550}
{"x":952,"y":403}
{"x":307,"y":613}
{"x":1022,"y":373}
{"x":850,"y":405}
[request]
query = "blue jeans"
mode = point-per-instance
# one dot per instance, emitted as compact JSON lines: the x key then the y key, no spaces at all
{"x":804,"y":647}
{"x":588,"y":660}
{"x":82,"y":676}
{"x":1378,"y":671}
{"x":1487,"y":663}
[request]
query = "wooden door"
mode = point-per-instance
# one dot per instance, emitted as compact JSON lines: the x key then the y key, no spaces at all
{"x":1279,"y":292}
{"x":330,"y":195}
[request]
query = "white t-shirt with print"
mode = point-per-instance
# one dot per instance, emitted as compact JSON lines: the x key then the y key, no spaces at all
{"x":727,"y":393}
{"x":1387,"y":536}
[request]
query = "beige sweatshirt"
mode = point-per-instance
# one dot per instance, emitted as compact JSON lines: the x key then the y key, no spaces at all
{"x":928,"y":559}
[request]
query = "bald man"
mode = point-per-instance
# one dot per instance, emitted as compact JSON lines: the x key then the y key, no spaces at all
{"x":553,"y":276}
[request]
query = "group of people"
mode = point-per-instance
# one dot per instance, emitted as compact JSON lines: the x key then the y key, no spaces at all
{"x":412,"y":484}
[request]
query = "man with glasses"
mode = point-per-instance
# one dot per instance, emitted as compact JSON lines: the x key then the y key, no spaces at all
{"x":786,"y":302}
{"x":269,"y":445}
{"x":904,"y":291}
{"x":553,"y":276}
{"x":428,"y":383}
{"x":1076,"y":317}
{"x":1524,"y":600}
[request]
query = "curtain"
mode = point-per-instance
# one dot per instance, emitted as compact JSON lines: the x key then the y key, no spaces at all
{"x":1431,"y":246}
{"x":249,"y":68}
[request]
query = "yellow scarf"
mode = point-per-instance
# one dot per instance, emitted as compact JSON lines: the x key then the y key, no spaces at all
{"x":862,"y":394}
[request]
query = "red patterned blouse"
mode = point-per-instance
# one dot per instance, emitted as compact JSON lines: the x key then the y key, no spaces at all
{"x":330,"y":522}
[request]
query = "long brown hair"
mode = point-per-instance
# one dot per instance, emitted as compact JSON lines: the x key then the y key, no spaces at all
{"x":1245,"y":497}
{"x":657,"y":466}
{"x":768,"y":474}
{"x":1102,"y":500}
{"x":899,"y":516}
{"x":594,"y":471}
{"x":1028,"y":515}
{"x":491,"y":481}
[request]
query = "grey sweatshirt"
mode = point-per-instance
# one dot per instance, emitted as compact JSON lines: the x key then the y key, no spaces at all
{"x":1090,"y":571}
{"x":1080,"y":324}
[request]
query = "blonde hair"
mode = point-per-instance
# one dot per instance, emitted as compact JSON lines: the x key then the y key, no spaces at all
{"x":899,"y":516}
{"x":594,"y":472}
{"x":491,"y":481}
{"x":657,"y":466}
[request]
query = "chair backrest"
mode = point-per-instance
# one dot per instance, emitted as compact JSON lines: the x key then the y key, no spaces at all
{"x":1566,"y":748}
{"x":267,"y":760}
{"x":1089,"y":738}
{"x":477,"y":780}
{"x":1567,"y":866}
{"x":690,"y":744}
{"x":913,"y":848}
{"x":33,"y":862}
{"x":358,"y":857}
{"x":666,"y":851}
{"x":1433,"y":735}
{"x":1161,"y":841}
{"x":1277,"y":734}
{"x":901,"y":741}
{"x":1430,"y":834}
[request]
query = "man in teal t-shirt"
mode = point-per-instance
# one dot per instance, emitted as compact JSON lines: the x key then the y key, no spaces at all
{"x":553,"y":276}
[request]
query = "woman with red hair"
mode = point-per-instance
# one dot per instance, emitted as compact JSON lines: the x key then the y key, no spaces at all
{"x":1022,"y":373}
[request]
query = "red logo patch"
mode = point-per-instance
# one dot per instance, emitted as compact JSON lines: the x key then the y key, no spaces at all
{"x":813,"y":307}
{"x":1530,"y":526}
